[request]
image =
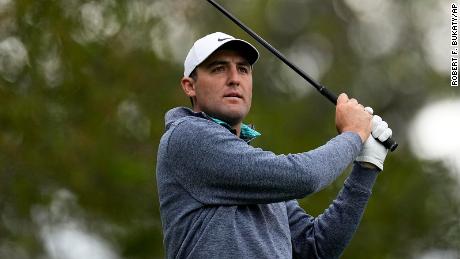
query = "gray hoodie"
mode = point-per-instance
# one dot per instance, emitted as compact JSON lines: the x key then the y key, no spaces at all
{"x":222,"y":198}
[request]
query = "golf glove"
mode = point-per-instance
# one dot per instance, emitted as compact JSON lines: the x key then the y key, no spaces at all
{"x":374,"y":152}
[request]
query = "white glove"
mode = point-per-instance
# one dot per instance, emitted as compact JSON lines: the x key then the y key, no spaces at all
{"x":374,"y":152}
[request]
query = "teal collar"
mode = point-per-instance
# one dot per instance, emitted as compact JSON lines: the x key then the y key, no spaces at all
{"x":247,"y":132}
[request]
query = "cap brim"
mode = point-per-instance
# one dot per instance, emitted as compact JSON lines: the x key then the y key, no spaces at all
{"x":248,"y":51}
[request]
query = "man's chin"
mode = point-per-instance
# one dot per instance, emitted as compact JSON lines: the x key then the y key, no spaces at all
{"x":232,"y":117}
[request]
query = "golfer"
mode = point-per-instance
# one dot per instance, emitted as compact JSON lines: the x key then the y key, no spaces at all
{"x":222,"y":198}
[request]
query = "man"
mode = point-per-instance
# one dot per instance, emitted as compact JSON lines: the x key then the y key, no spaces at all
{"x":222,"y":198}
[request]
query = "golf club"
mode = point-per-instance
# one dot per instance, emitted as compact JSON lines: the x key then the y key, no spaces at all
{"x":389,"y":143}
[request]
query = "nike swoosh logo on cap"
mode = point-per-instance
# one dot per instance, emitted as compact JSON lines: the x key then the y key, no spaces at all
{"x":222,"y":39}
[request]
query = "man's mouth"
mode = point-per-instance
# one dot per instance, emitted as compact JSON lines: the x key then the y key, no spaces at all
{"x":236,"y":95}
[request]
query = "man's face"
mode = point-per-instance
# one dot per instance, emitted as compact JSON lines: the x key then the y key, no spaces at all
{"x":223,"y":87}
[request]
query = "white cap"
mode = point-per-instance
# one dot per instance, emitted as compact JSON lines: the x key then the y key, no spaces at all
{"x":205,"y":46}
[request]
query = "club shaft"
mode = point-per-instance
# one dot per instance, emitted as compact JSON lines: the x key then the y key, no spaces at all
{"x":389,"y":143}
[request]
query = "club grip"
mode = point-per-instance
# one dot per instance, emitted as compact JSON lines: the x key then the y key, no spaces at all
{"x":328,"y":94}
{"x":390,"y":144}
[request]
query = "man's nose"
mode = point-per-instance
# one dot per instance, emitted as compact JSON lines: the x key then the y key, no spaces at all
{"x":233,"y":76}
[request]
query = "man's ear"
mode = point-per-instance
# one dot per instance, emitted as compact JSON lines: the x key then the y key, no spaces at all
{"x":188,"y":85}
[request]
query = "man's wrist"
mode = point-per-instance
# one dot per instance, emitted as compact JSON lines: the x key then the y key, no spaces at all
{"x":362,"y":135}
{"x":367,"y":165}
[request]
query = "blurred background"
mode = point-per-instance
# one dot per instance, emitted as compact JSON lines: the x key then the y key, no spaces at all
{"x":84,"y":86}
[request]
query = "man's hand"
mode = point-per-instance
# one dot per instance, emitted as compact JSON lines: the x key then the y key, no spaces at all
{"x":351,"y":116}
{"x":374,"y":152}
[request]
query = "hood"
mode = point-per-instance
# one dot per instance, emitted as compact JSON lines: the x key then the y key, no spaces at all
{"x":180,"y":112}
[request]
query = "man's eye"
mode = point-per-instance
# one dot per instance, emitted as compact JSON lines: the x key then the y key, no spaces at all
{"x":218,"y":69}
{"x":244,"y":70}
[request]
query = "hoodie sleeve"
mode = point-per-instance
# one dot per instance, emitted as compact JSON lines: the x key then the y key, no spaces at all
{"x":327,"y":235}
{"x":216,"y":167}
